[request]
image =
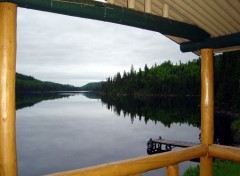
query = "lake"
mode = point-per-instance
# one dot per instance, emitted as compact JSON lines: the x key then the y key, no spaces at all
{"x":63,"y":131}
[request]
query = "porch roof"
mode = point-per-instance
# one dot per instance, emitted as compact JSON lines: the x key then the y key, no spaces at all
{"x":193,"y":24}
{"x":219,"y":18}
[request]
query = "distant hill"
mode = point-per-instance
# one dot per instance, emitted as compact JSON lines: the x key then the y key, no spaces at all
{"x":26,"y":83}
{"x":93,"y":86}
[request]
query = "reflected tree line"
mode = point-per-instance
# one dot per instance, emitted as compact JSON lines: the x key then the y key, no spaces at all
{"x":24,"y":100}
{"x":167,"y":110}
{"x":178,"y":80}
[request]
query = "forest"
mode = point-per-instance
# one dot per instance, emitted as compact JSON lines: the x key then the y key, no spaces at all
{"x":30,"y":84}
{"x":182,"y":79}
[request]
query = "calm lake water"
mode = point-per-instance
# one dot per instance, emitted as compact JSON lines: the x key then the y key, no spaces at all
{"x":59,"y":132}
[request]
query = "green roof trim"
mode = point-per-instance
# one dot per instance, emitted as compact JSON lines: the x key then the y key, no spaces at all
{"x":214,"y":43}
{"x":116,"y":14}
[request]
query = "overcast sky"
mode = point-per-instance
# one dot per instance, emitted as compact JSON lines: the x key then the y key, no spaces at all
{"x":76,"y":51}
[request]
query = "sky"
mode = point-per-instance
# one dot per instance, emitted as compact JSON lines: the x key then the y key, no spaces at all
{"x":76,"y":51}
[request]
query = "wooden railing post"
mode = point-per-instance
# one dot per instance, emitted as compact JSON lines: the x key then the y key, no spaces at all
{"x":8,"y":159}
{"x":173,"y":170}
{"x":207,"y":108}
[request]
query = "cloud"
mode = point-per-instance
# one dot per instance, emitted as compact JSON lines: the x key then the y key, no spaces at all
{"x":76,"y":51}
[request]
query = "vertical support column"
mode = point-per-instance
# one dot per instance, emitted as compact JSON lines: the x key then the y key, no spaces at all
{"x":173,"y":170}
{"x":8,"y":158}
{"x":148,"y":6}
{"x":207,"y":108}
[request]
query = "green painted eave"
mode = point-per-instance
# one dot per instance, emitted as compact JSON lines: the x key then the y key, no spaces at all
{"x":116,"y":14}
{"x":214,"y":43}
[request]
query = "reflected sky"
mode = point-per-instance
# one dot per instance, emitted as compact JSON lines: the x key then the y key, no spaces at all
{"x":74,"y":132}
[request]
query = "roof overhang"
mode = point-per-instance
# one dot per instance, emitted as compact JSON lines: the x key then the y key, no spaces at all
{"x":192,"y":24}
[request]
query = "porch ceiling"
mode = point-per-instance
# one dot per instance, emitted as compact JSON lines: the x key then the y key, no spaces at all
{"x":217,"y":17}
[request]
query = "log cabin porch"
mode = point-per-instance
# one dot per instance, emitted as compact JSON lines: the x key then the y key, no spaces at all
{"x":203,"y":27}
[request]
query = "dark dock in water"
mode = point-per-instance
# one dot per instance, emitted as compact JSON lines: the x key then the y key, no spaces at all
{"x":164,"y":145}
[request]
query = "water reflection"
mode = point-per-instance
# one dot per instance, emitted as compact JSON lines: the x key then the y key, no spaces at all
{"x":24,"y":100}
{"x":74,"y":130}
{"x":91,"y":95}
{"x":167,"y":110}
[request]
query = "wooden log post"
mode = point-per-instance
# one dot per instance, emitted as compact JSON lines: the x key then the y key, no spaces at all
{"x":207,"y":108}
{"x":8,"y":158}
{"x":173,"y":170}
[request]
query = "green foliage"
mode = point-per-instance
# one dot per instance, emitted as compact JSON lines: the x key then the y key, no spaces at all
{"x":220,"y":168}
{"x":94,"y":86}
{"x":223,"y":168}
{"x":165,"y":79}
{"x":236,"y":126}
{"x":29,"y":84}
{"x":168,"y":79}
{"x":192,"y":171}
{"x":227,"y":81}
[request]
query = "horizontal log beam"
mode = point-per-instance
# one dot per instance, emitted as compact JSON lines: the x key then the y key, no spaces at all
{"x":116,"y":14}
{"x":224,"y":152}
{"x":214,"y":43}
{"x":141,"y":164}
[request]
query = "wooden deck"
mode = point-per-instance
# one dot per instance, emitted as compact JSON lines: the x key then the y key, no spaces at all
{"x":175,"y":143}
{"x":163,"y":145}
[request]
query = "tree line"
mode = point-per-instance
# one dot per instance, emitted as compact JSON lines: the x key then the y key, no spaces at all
{"x":164,"y":79}
{"x":181,"y":79}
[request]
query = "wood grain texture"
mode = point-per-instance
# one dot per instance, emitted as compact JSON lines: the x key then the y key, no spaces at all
{"x":207,"y":99}
{"x":173,"y":170}
{"x":8,"y":159}
{"x":207,"y":109}
{"x":224,"y":152}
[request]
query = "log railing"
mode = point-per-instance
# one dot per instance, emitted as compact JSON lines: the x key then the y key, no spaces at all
{"x":141,"y":164}
{"x":144,"y":164}
{"x":224,"y":152}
